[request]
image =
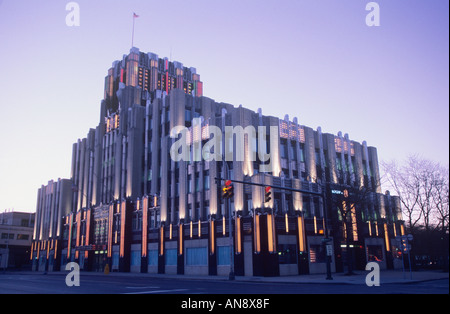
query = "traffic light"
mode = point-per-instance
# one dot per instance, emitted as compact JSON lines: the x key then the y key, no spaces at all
{"x":345,"y":193}
{"x":227,"y":190}
{"x":267,"y":194}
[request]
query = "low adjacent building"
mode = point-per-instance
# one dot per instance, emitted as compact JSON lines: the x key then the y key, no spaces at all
{"x":16,"y":231}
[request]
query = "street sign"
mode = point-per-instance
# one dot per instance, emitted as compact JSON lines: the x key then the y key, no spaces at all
{"x":329,"y":250}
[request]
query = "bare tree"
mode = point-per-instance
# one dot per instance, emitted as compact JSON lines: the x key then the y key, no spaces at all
{"x":407,"y":186}
{"x":423,"y":188}
{"x":425,"y":173}
{"x":440,"y":196}
{"x":352,"y":199}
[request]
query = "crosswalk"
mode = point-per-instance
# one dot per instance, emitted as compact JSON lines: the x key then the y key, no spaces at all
{"x":152,"y":290}
{"x":169,"y":291}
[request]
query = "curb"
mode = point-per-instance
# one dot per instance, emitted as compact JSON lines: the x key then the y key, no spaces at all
{"x":357,"y":279}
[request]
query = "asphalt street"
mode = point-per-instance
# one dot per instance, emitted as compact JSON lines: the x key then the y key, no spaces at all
{"x":55,"y":283}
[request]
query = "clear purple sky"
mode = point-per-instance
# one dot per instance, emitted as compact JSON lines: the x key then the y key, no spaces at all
{"x":315,"y":60}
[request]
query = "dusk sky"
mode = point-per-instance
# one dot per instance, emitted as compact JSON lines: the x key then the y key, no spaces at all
{"x":316,"y":60}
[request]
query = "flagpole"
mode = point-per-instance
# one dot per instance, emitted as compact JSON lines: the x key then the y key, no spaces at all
{"x":132,"y":36}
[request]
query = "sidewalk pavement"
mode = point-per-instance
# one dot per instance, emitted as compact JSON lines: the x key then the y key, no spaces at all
{"x":359,"y":277}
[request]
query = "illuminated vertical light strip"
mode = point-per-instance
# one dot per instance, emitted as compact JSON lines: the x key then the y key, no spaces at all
{"x":286,"y":222}
{"x":56,"y":249}
{"x":274,"y":233}
{"x":170,"y":232}
{"x":167,"y":82}
{"x":386,"y":237}
{"x":354,"y":223}
{"x":110,"y":229}
{"x":315,"y":225}
{"x":301,"y":234}
{"x":344,"y":209}
{"x":88,"y":226}
{"x":238,"y":235}
{"x":270,"y":233}
{"x":31,"y":254}
{"x":190,"y":229}
{"x":370,"y":228}
{"x":161,"y":241}
{"x":77,"y":242}
{"x":144,"y":226}
{"x":69,"y":242}
{"x":123,"y":207}
{"x":180,"y":235}
{"x":199,"y":228}
{"x":257,"y":234}
{"x":395,"y":229}
{"x":402,"y":229}
{"x":376,"y":229}
{"x":212,"y":236}
{"x":38,"y":250}
{"x":223,"y":226}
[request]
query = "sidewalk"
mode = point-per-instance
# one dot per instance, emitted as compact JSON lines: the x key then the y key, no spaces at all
{"x":359,"y":277}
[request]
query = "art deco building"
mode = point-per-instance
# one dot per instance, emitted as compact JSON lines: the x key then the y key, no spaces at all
{"x":137,"y":208}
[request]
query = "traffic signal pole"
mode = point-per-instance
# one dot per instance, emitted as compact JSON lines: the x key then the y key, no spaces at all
{"x":322,"y":195}
{"x":274,"y":187}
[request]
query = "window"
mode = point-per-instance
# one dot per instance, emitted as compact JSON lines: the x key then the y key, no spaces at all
{"x":5,"y":236}
{"x":306,"y":207}
{"x":135,"y":258}
{"x":338,"y":164}
{"x":223,"y":255}
{"x":23,"y":236}
{"x":153,"y":258}
{"x":206,"y":183}
{"x":374,"y":253}
{"x":187,"y":115}
{"x":197,"y":184}
{"x":283,"y":149}
{"x":287,"y":253}
{"x":302,"y":152}
{"x":317,"y":156}
{"x":171,"y":257}
{"x":115,"y":260}
{"x":316,"y":253}
{"x":196,"y":256}
{"x":189,"y":183}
